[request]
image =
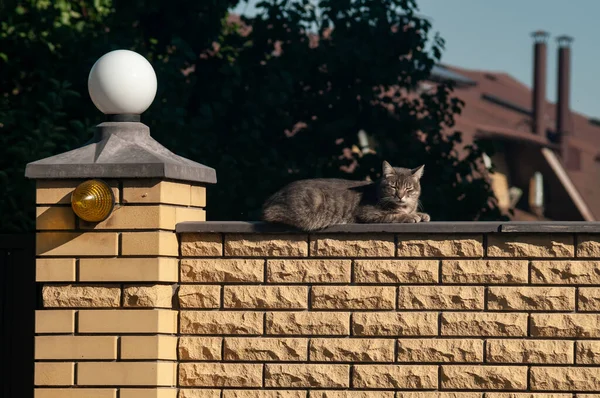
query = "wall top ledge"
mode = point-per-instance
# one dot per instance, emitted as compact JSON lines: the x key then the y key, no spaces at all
{"x":432,"y":227}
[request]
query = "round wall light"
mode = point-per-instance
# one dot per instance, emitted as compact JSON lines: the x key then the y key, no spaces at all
{"x":93,"y":201}
{"x":122,"y":82}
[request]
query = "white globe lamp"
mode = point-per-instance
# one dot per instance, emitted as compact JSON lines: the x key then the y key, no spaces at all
{"x":122,"y":82}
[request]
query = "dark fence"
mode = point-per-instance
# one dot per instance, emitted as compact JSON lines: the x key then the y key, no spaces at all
{"x":18,"y":300}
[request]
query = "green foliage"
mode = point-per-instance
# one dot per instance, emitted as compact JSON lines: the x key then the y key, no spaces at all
{"x":260,"y":117}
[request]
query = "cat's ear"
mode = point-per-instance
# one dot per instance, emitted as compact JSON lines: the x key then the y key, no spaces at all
{"x":387,"y":169}
{"x":418,"y":172}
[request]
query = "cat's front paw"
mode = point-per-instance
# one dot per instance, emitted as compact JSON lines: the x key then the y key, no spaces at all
{"x":412,"y":218}
{"x":424,"y":217}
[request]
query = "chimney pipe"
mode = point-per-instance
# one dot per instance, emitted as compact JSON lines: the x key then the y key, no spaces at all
{"x":563,"y":111}
{"x":539,"y":82}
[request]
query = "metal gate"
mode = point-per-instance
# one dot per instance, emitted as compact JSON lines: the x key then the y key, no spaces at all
{"x":18,"y":300}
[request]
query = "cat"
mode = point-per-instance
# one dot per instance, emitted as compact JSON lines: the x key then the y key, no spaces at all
{"x":314,"y":204}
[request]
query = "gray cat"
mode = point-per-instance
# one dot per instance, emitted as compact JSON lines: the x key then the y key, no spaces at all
{"x":314,"y":204}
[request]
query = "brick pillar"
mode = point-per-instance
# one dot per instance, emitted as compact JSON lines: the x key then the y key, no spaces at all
{"x":108,"y":320}
{"x":107,"y":326}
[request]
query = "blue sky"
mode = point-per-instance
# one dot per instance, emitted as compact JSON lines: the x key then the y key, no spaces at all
{"x":495,"y":35}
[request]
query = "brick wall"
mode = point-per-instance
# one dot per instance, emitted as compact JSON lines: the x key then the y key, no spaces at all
{"x":405,"y":315}
{"x":108,"y":326}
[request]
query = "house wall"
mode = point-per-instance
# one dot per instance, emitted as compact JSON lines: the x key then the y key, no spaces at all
{"x":558,"y":205}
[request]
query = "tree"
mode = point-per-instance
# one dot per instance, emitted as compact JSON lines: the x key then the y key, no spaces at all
{"x":265,"y":101}
{"x":46,"y":51}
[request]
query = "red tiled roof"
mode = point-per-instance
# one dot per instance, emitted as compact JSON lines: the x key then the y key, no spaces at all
{"x":504,"y":86}
{"x":481,"y":117}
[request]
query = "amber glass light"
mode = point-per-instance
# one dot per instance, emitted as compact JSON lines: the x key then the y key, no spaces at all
{"x":93,"y":201}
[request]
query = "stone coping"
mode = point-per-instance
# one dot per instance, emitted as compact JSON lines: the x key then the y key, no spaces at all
{"x":431,"y":227}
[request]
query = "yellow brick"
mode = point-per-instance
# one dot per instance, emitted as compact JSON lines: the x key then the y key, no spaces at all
{"x":307,"y":375}
{"x":155,"y":269}
{"x":200,"y":348}
{"x":183,"y":214}
{"x":81,"y":296}
{"x":588,"y":245}
{"x":529,"y":351}
{"x":565,"y":325}
{"x":351,"y":350}
{"x":52,"y":192}
{"x":441,"y":297}
{"x":565,"y":272}
{"x":126,"y":373}
{"x":440,"y":350}
{"x":483,"y":324}
{"x":589,"y":299}
{"x":76,"y":244}
{"x":156,"y":243}
{"x":282,"y":297}
{"x":155,"y":191}
{"x":265,"y":349}
{"x":478,"y":377}
{"x":54,"y":218}
{"x":222,"y":270}
{"x":363,"y":245}
{"x":55,"y":270}
{"x":54,"y":373}
{"x":154,"y":296}
{"x":75,"y":347}
{"x":525,"y":298}
{"x":148,"y":393}
{"x":531,"y":395}
{"x":209,"y":374}
{"x":308,"y":271}
{"x":434,"y":245}
{"x":54,"y":321}
{"x":221,"y":322}
{"x":149,"y":347}
{"x":353,"y":297}
{"x":396,"y":271}
{"x":127,"y":321}
{"x":395,"y":324}
{"x":263,"y":394}
{"x":565,"y":378}
{"x":308,"y":323}
{"x":199,"y":296}
{"x":485,"y":271}
{"x":358,"y":394}
{"x":539,"y":245}
{"x":75,"y":393}
{"x":136,"y":217}
{"x":588,"y":352}
{"x":266,"y":245}
{"x":395,"y":376}
{"x":199,"y":393}
{"x":201,"y":245}
{"x":198,"y":196}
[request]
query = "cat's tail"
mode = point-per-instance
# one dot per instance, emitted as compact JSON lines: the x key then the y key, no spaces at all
{"x":273,"y":213}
